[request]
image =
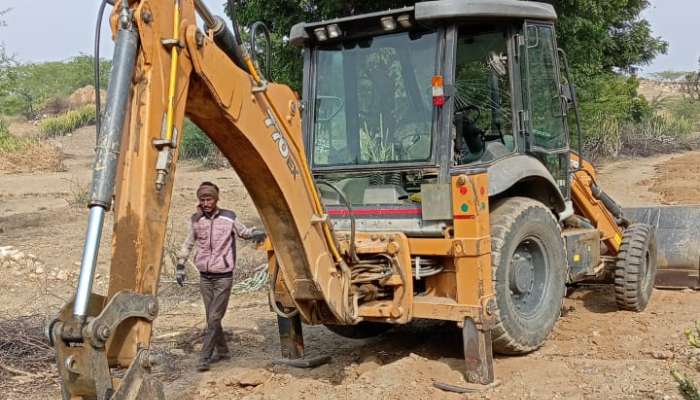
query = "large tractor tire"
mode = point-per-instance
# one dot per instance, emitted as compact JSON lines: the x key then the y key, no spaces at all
{"x":363,"y":330}
{"x":529,"y":274}
{"x":635,"y":269}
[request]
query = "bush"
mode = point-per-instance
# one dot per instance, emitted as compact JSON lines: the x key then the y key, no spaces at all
{"x":196,"y":145}
{"x":68,"y":122}
{"x":27,"y":155}
{"x":659,"y":132}
{"x":8,"y":142}
{"x":26,"y":89}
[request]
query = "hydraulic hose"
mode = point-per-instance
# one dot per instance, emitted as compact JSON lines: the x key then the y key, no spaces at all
{"x":268,"y":50}
{"x":273,"y":300}
{"x":353,"y":251}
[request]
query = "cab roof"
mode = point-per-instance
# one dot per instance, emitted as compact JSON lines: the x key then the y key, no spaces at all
{"x":432,"y":13}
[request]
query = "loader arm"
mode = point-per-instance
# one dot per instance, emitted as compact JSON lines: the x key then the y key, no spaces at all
{"x":593,"y":204}
{"x":179,"y":71}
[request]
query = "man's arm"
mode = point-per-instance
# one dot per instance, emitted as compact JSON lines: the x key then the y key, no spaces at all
{"x":242,"y":231}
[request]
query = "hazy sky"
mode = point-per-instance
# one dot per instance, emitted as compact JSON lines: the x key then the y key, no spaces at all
{"x":44,"y":30}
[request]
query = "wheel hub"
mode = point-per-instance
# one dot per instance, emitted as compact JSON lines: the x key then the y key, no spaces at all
{"x":523,"y":274}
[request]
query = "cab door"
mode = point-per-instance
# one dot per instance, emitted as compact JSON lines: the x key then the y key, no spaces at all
{"x":543,"y":118}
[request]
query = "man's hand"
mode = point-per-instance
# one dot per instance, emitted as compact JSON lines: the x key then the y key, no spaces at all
{"x":258,"y":235}
{"x":180,"y":276}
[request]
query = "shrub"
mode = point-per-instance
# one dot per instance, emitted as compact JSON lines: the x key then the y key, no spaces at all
{"x":68,"y":122}
{"x":10,"y":143}
{"x":27,"y":155}
{"x":195,"y":145}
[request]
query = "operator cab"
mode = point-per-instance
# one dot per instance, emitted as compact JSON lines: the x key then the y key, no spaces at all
{"x":397,"y":100}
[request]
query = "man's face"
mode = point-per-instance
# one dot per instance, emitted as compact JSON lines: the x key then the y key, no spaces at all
{"x":207,"y":203}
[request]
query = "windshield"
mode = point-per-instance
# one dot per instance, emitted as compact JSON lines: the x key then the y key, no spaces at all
{"x":373,"y":101}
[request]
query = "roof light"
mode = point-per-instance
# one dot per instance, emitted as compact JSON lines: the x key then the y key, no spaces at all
{"x":321,"y":34}
{"x":388,"y":23}
{"x":404,"y":21}
{"x":334,"y":31}
{"x":438,"y":91}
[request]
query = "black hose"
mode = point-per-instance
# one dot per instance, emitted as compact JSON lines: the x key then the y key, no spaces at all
{"x":268,"y":50}
{"x":98,"y":29}
{"x":234,"y":23}
{"x":273,"y":300}
{"x":353,"y":252}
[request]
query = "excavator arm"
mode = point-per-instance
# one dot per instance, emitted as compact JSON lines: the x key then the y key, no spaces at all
{"x":166,"y":68}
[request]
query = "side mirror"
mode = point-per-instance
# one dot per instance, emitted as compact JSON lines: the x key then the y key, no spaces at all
{"x":568,"y":92}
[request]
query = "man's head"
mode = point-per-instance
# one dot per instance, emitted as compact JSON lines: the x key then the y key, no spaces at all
{"x":208,"y":196}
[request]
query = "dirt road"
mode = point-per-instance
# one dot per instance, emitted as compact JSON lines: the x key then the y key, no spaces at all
{"x":595,"y":352}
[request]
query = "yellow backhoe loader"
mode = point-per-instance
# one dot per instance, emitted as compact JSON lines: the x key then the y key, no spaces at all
{"x":426,"y":172}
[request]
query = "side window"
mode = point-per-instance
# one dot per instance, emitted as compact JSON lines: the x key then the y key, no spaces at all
{"x":545,"y":104}
{"x":483,"y":109}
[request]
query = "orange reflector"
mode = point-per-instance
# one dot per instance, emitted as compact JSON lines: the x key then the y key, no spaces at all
{"x":438,"y":91}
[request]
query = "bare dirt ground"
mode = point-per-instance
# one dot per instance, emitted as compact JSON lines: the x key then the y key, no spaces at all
{"x":595,"y":351}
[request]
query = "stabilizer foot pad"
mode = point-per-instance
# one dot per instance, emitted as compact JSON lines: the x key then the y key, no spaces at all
{"x":471,"y":388}
{"x":312,"y":362}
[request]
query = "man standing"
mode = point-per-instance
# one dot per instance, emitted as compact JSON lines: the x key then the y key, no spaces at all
{"x":213,"y":231}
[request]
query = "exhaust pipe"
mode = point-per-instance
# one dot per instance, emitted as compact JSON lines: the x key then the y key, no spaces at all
{"x":107,"y":155}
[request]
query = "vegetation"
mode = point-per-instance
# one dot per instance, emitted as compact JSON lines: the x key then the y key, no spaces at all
{"x":27,"y":154}
{"x":8,"y":142}
{"x":669,"y":75}
{"x":25,"y":89}
{"x":687,"y":386}
{"x":691,"y":85}
{"x":68,"y":122}
{"x":195,"y":145}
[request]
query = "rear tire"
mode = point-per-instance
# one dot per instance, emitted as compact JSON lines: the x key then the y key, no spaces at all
{"x":529,"y":274}
{"x":635,"y":269}
{"x":363,"y":330}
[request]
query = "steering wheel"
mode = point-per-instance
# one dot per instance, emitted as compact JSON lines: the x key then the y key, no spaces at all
{"x":468,"y":110}
{"x":415,"y":138}
{"x":337,"y":101}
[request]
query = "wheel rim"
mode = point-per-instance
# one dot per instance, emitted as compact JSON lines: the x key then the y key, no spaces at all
{"x":528,"y":277}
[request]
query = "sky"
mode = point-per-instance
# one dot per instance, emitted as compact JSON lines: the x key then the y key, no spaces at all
{"x":49,"y":30}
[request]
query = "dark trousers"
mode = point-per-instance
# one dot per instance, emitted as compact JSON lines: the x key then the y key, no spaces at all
{"x":215,"y":292}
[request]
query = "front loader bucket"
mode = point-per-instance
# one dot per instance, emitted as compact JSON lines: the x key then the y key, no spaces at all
{"x":677,"y":242}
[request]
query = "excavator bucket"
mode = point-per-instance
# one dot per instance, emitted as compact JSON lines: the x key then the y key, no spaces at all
{"x":677,"y":241}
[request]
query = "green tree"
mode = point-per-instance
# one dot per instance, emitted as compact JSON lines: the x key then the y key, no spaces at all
{"x":622,"y":38}
{"x":26,"y":88}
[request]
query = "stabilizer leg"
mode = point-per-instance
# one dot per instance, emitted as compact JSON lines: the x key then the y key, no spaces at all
{"x":291,"y":337}
{"x":292,"y":345}
{"x":478,"y":355}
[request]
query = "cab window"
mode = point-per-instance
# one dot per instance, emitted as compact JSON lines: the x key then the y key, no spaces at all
{"x":483,"y":102}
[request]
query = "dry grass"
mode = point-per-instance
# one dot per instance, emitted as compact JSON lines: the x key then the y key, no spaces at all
{"x":26,"y":358}
{"x":32,"y":156}
{"x":79,"y":193}
{"x":27,"y":154}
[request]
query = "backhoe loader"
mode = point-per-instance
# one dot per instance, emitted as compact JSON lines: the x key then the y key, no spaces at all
{"x":425,"y":172}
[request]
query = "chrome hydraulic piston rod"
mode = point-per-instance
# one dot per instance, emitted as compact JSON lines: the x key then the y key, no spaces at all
{"x":107,"y":154}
